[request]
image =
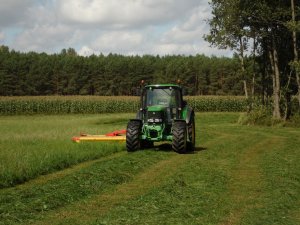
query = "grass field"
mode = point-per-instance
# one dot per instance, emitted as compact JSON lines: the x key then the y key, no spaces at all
{"x":237,"y":175}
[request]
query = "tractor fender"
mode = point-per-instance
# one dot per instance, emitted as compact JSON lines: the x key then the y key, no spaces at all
{"x":189,"y":114}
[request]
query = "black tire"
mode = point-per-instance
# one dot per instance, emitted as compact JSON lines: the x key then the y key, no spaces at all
{"x":179,"y":131}
{"x":192,"y":135}
{"x":133,"y":132}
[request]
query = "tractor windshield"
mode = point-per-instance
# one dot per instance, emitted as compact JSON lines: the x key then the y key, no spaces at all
{"x":163,"y":96}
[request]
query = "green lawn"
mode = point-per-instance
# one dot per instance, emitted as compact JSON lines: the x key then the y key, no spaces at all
{"x":237,"y":175}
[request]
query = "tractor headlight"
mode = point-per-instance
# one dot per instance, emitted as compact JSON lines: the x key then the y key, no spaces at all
{"x":155,"y":120}
{"x":150,"y":120}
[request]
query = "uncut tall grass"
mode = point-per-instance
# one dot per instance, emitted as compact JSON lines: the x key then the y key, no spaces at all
{"x":40,"y":144}
{"x":108,"y":104}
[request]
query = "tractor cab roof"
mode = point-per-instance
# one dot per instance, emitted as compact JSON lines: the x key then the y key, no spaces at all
{"x":163,"y":86}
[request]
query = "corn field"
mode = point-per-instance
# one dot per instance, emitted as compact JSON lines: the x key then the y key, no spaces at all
{"x":29,"y":105}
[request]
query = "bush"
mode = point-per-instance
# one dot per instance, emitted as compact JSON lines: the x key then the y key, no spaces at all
{"x":262,"y":115}
{"x":258,"y":116}
{"x":294,"y":121}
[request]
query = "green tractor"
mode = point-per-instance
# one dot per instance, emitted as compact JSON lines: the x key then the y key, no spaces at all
{"x":163,"y":116}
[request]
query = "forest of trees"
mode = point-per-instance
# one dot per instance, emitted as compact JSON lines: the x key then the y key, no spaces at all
{"x":69,"y":74}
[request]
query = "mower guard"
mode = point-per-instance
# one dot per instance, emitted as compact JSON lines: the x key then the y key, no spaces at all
{"x":118,"y":135}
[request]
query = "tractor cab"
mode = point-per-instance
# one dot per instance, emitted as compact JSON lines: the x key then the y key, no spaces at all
{"x":163,"y":96}
{"x":161,"y":103}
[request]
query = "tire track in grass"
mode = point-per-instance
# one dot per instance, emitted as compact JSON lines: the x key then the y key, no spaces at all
{"x":86,"y":211}
{"x":34,"y":202}
{"x":42,"y":198}
{"x":247,"y":181}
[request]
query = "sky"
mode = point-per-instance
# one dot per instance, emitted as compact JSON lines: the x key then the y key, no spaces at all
{"x":128,"y":27}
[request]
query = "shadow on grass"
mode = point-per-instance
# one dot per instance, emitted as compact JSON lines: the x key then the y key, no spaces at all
{"x":198,"y":149}
{"x":165,"y":147}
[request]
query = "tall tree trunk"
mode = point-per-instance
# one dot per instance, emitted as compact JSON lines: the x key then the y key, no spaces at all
{"x":276,"y":82}
{"x":295,"y":50}
{"x":276,"y":113}
{"x":287,"y":111}
{"x":241,"y":56}
{"x":253,"y":75}
{"x":263,"y":88}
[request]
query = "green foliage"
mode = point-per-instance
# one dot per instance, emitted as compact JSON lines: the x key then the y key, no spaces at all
{"x":294,"y":121}
{"x":67,"y":105}
{"x":98,"y":104}
{"x":262,"y":115}
{"x":69,"y":74}
{"x":217,"y":103}
{"x":258,"y":116}
{"x":265,"y":29}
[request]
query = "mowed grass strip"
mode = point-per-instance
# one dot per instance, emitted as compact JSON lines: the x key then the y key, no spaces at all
{"x":197,"y":193}
{"x":279,"y":202}
{"x":33,"y":200}
{"x":241,"y":178}
{"x":238,"y":175}
{"x":148,"y":179}
{"x":247,"y":181}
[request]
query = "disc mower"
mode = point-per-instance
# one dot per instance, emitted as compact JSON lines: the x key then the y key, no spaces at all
{"x":163,"y":116}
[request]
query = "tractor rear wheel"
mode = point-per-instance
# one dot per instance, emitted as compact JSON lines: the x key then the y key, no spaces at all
{"x":179,"y":142}
{"x":192,"y":135}
{"x":133,"y":132}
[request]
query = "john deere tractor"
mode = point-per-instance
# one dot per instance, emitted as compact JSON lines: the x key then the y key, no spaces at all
{"x":163,"y":116}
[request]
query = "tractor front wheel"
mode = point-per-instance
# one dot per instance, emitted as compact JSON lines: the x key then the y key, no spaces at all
{"x":133,"y":132}
{"x":179,"y":142}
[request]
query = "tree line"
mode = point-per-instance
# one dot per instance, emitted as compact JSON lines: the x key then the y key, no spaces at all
{"x":269,"y":30}
{"x":264,"y":34}
{"x":67,"y":73}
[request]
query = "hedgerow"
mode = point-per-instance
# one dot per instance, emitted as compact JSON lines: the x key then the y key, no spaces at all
{"x":108,"y":104}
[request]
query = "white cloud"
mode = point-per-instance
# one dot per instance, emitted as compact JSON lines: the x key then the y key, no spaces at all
{"x":121,"y":42}
{"x":186,"y":37}
{"x":43,"y":38}
{"x":2,"y":37}
{"x":86,"y":51}
{"x":101,"y":26}
{"x":119,"y":14}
